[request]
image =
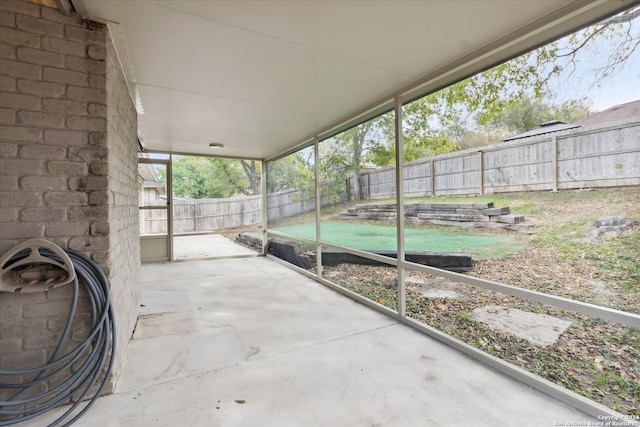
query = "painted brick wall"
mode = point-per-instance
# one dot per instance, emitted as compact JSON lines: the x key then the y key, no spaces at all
{"x":123,"y":230}
{"x":68,"y":144}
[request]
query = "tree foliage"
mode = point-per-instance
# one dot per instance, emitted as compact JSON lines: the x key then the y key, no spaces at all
{"x":529,"y":113}
{"x":207,"y":177}
{"x":295,"y":171}
{"x":620,"y":33}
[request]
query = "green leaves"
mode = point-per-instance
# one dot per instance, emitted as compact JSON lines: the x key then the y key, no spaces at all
{"x":529,"y":113}
{"x":208,"y":178}
{"x":295,"y":171}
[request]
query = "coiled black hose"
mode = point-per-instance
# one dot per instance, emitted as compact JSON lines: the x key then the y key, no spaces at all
{"x":95,"y":354}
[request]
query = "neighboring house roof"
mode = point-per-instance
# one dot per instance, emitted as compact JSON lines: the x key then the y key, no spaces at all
{"x":613,"y":114}
{"x":147,"y":172}
{"x":154,"y":185}
{"x":546,"y":127}
{"x":150,"y":177}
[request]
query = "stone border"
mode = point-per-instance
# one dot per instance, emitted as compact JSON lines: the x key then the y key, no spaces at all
{"x":470,"y":215}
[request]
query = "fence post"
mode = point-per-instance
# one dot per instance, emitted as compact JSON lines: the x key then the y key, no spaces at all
{"x":433,"y":178}
{"x":481,"y":172}
{"x":368,"y":187}
{"x":554,"y":147}
{"x":195,"y":215}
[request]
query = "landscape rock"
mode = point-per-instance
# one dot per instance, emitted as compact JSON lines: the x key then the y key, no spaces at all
{"x":610,"y":228}
{"x":441,"y":293}
{"x":539,"y":329}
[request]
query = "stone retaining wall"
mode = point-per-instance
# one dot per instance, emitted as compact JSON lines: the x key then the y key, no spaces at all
{"x":455,"y":214}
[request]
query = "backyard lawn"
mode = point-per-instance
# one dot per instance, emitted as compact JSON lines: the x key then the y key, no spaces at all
{"x":371,"y":237}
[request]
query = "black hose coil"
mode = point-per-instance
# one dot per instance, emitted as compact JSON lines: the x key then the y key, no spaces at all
{"x":98,"y":350}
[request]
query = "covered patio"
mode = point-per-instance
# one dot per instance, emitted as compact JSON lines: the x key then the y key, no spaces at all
{"x":94,"y":88}
{"x":250,"y":342}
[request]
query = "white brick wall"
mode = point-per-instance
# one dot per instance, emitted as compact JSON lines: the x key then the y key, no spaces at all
{"x":122,"y":170}
{"x":68,"y":169}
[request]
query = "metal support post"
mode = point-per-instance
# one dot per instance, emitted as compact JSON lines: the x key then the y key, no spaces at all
{"x":402,"y":306}
{"x":316,"y":155}
{"x":263,"y":189}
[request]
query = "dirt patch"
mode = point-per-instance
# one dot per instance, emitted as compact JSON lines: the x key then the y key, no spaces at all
{"x":541,"y":267}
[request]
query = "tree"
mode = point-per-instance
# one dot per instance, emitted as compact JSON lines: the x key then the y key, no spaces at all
{"x":482,"y":136}
{"x":253,"y":171}
{"x":620,"y":31}
{"x":357,"y":139}
{"x":529,"y":113}
{"x":191,"y":177}
{"x":236,"y":177}
{"x":295,"y":171}
{"x":207,"y":177}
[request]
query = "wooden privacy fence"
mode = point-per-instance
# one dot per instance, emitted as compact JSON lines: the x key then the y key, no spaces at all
{"x":284,"y":204}
{"x":195,"y":215}
{"x":591,"y":157}
{"x":215,"y":214}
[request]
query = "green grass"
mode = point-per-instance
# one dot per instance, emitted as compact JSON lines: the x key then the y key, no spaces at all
{"x":383,"y":237}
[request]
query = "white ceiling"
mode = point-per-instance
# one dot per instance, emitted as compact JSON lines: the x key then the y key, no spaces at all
{"x":264,"y":76}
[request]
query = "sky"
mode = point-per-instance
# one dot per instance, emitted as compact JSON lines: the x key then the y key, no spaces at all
{"x":622,"y":87}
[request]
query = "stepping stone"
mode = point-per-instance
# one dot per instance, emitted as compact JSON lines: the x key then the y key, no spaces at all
{"x":539,"y":329}
{"x":441,"y":293}
{"x":414,"y":281}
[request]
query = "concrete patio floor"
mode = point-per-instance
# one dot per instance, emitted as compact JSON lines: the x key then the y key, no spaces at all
{"x":194,"y":246}
{"x":249,"y":342}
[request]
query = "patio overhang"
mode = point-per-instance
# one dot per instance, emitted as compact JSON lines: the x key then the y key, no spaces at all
{"x":263,"y":77}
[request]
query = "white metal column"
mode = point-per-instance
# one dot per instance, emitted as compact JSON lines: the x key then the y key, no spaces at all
{"x":316,"y":154}
{"x":263,"y":187}
{"x":170,"y":205}
{"x":401,"y":291}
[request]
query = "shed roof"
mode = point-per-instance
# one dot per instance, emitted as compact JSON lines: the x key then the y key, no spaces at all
{"x":546,"y":127}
